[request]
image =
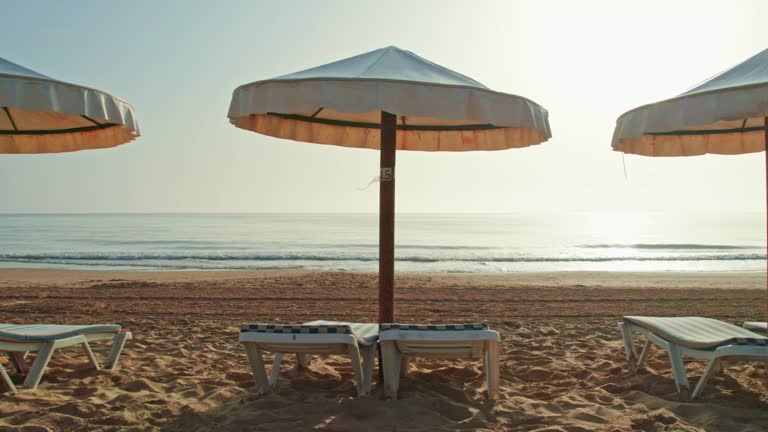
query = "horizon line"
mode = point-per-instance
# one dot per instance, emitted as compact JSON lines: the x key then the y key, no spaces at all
{"x":73,"y":213}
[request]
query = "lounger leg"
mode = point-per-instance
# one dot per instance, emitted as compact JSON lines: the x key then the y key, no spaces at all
{"x":257,"y":366}
{"x":391,"y":359}
{"x":18,"y":361}
{"x":117,"y":348}
{"x":678,"y":368}
{"x":369,"y":358}
{"x":7,"y":380}
{"x":629,"y":346}
{"x":275,"y":370}
{"x":711,"y":369}
{"x":405,"y":361}
{"x":91,"y":357}
{"x":492,"y":369}
{"x":303,"y":361}
{"x":357,"y":367}
{"x":38,"y":367}
{"x":643,"y":355}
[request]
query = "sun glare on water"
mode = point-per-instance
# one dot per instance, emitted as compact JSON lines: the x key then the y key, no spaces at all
{"x":619,"y":228}
{"x":617,"y":235}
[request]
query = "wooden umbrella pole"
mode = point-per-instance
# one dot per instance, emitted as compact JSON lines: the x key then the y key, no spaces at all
{"x":387,"y":218}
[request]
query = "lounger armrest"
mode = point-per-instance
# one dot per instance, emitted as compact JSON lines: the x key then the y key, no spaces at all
{"x":105,"y":336}
{"x":742,"y":351}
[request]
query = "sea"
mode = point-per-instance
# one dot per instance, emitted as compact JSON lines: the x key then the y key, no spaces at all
{"x":426,"y":243}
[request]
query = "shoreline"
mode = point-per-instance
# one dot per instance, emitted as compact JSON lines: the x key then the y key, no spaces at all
{"x":608,"y":279}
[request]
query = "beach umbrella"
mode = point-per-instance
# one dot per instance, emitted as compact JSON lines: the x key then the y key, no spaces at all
{"x":39,"y":114}
{"x":388,"y":99}
{"x":727,"y":114}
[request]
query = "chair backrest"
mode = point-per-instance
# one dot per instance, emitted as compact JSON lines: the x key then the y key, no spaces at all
{"x":44,"y":332}
{"x":758,"y":327}
{"x":296,"y":328}
{"x":434,"y":327}
{"x":697,"y":332}
{"x":303,"y":329}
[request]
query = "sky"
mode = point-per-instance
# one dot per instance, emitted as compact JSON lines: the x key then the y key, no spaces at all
{"x":177,"y":63}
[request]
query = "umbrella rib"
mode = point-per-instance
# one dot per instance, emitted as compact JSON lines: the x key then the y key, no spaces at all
{"x":317,"y":112}
{"x":374,"y":63}
{"x":470,"y":127}
{"x":57,"y":131}
{"x":92,"y":121}
{"x":13,"y":123}
{"x":708,"y":131}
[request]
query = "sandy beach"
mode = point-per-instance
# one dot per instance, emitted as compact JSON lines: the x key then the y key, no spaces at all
{"x":562,"y":363}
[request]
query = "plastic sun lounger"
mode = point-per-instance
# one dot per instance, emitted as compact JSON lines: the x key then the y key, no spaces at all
{"x":357,"y":340}
{"x":757,"y":327}
{"x":450,"y":341}
{"x":19,"y":339}
{"x":701,"y":338}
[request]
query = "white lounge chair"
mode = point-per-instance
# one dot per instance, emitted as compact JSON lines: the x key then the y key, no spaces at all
{"x":701,"y":338}
{"x":19,"y":339}
{"x":452,"y":341}
{"x":358,"y":340}
{"x":757,"y":327}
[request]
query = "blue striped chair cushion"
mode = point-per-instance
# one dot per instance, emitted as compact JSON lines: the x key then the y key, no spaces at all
{"x":435,"y":327}
{"x":697,"y":332}
{"x":366,"y":333}
{"x":759,"y":327}
{"x":46,"y":332}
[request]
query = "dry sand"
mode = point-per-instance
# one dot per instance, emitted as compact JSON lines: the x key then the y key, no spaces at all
{"x":562,"y":362}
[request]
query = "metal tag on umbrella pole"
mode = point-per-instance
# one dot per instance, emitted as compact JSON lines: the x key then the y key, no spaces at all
{"x":387,"y":174}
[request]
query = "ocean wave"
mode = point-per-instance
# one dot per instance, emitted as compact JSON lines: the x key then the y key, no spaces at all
{"x":143,"y":257}
{"x":669,"y":246}
{"x":210,"y":244}
{"x":403,"y":246}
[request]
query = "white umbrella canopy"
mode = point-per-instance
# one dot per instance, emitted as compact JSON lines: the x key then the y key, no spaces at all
{"x":727,"y":114}
{"x":39,"y":114}
{"x":388,"y":99}
{"x":724,"y":115}
{"x":340,"y":104}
